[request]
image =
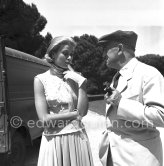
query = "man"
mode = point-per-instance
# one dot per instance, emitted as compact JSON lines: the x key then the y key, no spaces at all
{"x":135,"y":106}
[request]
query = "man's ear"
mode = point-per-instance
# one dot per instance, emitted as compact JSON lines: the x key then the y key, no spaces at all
{"x":120,"y":46}
{"x":120,"y":49}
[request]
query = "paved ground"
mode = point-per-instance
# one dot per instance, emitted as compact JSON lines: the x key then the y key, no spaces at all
{"x":94,"y":123}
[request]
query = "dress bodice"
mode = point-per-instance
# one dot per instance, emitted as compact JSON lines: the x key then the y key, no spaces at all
{"x":59,"y":95}
{"x":61,"y":98}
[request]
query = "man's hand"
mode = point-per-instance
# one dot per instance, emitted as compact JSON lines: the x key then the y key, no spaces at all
{"x":113,"y":97}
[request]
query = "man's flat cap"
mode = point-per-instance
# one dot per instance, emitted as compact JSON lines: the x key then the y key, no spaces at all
{"x":127,"y":38}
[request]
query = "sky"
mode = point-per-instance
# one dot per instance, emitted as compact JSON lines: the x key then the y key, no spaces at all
{"x":100,"y":17}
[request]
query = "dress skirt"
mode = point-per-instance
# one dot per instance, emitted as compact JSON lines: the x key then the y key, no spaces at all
{"x":72,"y":149}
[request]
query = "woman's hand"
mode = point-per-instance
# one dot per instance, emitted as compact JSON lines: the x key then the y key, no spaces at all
{"x":75,"y":77}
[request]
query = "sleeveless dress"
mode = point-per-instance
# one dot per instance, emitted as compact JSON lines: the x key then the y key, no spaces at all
{"x":64,"y":143}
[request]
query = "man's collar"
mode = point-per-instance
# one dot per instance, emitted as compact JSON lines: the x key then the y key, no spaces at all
{"x":128,"y":69}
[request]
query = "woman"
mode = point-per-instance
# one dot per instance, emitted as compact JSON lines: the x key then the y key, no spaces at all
{"x":61,"y":101}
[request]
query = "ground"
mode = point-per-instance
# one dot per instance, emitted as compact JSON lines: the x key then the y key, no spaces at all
{"x":95,"y":124}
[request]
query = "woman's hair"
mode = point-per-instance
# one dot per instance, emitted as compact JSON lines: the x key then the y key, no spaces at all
{"x":56,"y":44}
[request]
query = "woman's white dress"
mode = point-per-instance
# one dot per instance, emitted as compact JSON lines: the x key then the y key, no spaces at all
{"x":64,"y":143}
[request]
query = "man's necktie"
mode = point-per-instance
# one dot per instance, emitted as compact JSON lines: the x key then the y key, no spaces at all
{"x":109,"y":156}
{"x":116,"y":80}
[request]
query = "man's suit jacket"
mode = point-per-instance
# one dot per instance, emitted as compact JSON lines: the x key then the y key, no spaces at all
{"x":132,"y":133}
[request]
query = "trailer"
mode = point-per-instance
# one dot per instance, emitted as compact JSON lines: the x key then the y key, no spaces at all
{"x":19,"y":124}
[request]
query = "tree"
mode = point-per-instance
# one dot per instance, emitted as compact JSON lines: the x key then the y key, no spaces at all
{"x":154,"y":60}
{"x":88,"y":60}
{"x":21,"y":24}
{"x":43,"y":47}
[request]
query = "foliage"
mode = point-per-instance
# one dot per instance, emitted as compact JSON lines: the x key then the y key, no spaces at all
{"x":88,"y":60}
{"x":43,"y":47}
{"x":154,"y":60}
{"x":21,"y":24}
